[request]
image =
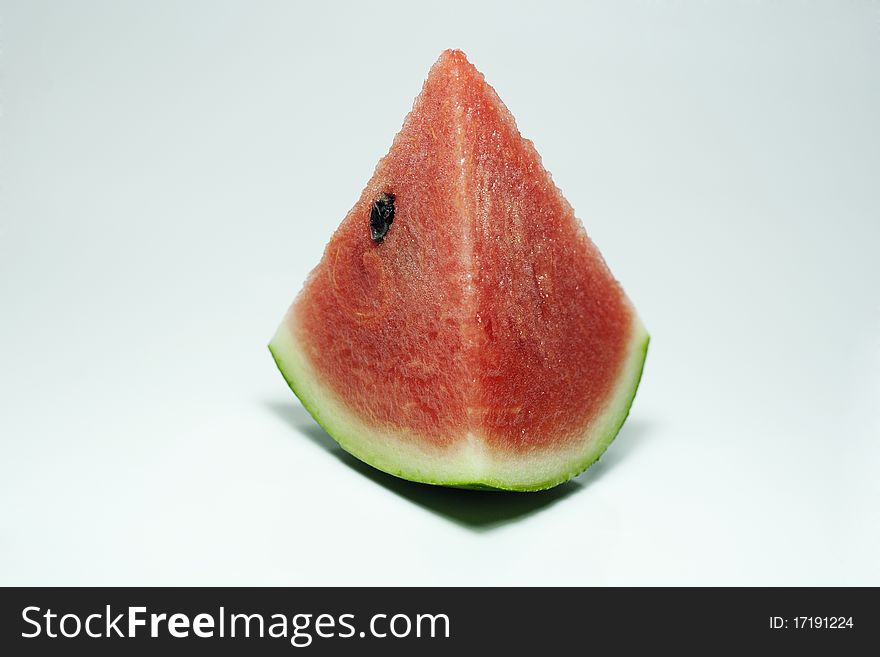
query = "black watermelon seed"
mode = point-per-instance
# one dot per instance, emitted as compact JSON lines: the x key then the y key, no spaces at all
{"x":381,"y":217}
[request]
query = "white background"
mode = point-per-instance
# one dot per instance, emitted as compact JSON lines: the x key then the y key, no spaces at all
{"x":170,"y":172}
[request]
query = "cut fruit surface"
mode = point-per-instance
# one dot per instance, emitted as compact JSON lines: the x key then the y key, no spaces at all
{"x":461,"y":328}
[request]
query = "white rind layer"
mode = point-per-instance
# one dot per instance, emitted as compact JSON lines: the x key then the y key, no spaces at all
{"x":468,"y":462}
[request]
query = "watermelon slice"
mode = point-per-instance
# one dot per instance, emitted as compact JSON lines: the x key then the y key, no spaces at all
{"x":461,"y":328}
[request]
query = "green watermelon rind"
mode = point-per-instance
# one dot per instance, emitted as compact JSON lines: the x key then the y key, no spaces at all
{"x":388,"y":453}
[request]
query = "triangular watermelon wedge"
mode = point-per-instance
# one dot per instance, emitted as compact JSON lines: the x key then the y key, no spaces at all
{"x":461,"y":329}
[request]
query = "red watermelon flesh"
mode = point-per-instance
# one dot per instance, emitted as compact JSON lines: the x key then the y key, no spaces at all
{"x":482,"y":340}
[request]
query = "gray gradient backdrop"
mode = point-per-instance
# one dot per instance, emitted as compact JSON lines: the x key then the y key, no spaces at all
{"x":171,"y":171}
